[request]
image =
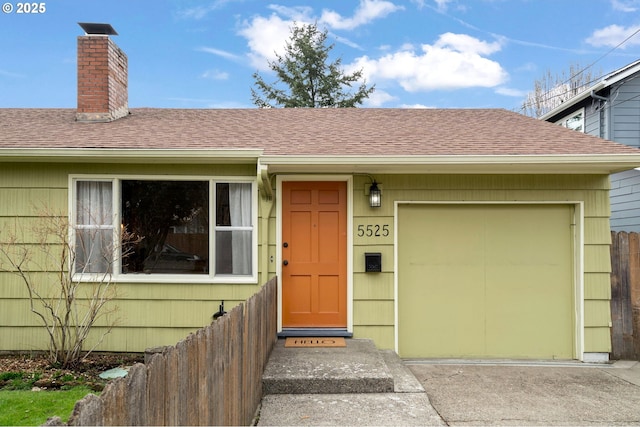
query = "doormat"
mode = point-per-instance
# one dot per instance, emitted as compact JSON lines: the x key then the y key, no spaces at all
{"x":315,"y":342}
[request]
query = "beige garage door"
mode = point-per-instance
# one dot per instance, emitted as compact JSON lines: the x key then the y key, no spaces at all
{"x":485,"y":281}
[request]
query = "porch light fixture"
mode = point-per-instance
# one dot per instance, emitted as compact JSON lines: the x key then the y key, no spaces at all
{"x":375,"y":195}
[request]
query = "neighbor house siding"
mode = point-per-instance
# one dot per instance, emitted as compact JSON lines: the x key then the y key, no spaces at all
{"x":373,"y":315}
{"x":594,"y":123}
{"x":624,"y":106}
{"x":624,"y":109}
{"x":150,"y":314}
{"x":625,"y":201}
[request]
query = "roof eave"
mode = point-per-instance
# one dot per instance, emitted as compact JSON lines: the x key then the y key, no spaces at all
{"x":97,"y":155}
{"x":471,"y":164}
{"x":575,"y":100}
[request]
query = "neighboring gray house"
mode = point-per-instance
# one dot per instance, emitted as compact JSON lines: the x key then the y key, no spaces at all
{"x":610,"y":109}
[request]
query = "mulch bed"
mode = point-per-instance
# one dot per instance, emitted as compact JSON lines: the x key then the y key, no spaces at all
{"x":36,"y":373}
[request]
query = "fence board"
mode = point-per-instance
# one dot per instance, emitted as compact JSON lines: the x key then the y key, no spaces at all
{"x":625,"y":277}
{"x":156,"y":386}
{"x":212,"y":377}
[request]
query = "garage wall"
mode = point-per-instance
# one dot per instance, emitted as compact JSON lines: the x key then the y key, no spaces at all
{"x":373,"y":293}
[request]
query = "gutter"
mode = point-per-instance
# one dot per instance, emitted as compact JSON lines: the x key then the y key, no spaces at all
{"x":601,"y":98}
{"x":110,"y":155}
{"x":461,"y":164}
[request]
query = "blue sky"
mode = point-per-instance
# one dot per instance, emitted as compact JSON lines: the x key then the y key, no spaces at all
{"x":418,"y":53}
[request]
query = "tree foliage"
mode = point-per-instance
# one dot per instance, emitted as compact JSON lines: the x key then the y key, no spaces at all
{"x":550,"y":90}
{"x":306,"y":78}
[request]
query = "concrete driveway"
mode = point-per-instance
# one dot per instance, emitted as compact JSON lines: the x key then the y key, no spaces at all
{"x":550,"y":394}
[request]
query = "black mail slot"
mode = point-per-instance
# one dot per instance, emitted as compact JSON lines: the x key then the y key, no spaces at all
{"x":373,"y":262}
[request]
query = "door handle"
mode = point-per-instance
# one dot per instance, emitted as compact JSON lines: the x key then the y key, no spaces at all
{"x":285,"y":262}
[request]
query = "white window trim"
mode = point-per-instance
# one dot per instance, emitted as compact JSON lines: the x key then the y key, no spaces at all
{"x":211,"y":277}
{"x":578,"y":241}
{"x":563,"y":121}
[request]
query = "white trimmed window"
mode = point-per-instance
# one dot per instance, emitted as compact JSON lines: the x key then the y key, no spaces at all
{"x":189,"y":229}
{"x":573,"y":121}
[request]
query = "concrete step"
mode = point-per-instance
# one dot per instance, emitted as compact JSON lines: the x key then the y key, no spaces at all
{"x":357,"y":368}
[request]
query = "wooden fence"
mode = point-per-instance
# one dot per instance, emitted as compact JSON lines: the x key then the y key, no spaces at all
{"x":213,"y":377}
{"x":625,"y":295}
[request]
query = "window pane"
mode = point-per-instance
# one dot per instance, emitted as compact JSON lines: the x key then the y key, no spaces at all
{"x":93,"y":203}
{"x":172,"y":217}
{"x":94,"y":250}
{"x":233,"y":204}
{"x":93,"y":227}
{"x":233,"y":252}
{"x":575,"y":122}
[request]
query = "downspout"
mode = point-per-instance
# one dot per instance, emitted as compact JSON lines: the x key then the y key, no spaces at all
{"x":601,"y":98}
{"x":266,"y":206}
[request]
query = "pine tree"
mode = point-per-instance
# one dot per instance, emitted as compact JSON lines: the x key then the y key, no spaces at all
{"x":305,"y":78}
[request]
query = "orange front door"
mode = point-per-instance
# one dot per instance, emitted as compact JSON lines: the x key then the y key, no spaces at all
{"x":314,"y":254}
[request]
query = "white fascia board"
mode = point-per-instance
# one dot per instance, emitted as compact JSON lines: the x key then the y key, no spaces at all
{"x":96,"y":155}
{"x":545,"y":164}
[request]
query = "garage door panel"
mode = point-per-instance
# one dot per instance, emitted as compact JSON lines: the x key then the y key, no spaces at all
{"x":505,"y":291}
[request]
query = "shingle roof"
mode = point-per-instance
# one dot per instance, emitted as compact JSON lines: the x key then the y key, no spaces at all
{"x":306,"y":132}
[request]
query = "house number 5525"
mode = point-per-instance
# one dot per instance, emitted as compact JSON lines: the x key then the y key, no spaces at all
{"x":373,"y":230}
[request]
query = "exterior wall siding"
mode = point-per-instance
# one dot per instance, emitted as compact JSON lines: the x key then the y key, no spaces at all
{"x":625,"y":201}
{"x":593,"y":120}
{"x":372,"y":290}
{"x":155,"y":314}
{"x":618,"y":119}
{"x":624,"y":106}
{"x":158,"y":314}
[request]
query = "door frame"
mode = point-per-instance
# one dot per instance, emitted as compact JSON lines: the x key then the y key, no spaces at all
{"x":578,"y":259}
{"x":349,"y":249}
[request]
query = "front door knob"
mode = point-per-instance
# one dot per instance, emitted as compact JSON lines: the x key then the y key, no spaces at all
{"x":285,"y":262}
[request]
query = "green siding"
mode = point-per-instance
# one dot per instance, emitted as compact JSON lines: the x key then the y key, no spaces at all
{"x":591,"y":190}
{"x":24,"y":186}
{"x":149,"y":314}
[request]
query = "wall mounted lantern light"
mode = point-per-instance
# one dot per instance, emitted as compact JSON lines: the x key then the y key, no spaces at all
{"x":375,"y":195}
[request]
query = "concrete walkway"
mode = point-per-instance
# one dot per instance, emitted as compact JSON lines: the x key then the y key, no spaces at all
{"x":355,"y":385}
{"x":441,"y":392}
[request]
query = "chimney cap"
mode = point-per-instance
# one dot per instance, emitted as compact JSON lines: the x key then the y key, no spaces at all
{"x":95,"y":28}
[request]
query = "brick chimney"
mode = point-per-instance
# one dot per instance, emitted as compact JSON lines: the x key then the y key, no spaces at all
{"x":102,"y":76}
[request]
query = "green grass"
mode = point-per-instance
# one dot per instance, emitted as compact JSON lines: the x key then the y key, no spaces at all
{"x":32,"y":408}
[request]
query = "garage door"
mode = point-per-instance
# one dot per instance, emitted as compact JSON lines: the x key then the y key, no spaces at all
{"x":493,"y":281}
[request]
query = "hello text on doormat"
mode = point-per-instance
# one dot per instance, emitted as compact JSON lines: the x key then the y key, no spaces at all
{"x":315,"y":342}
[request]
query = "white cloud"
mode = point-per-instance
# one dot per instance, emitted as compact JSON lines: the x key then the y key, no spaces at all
{"x":516,"y":93}
{"x":465,"y":43}
{"x":378,"y":98}
{"x":200,"y":12}
{"x":367,"y":11}
{"x":219,"y":52}
{"x":455,"y":61}
{"x":613,"y":35}
{"x":415,"y":106}
{"x":215,"y":75}
{"x":296,"y":13}
{"x":442,"y":4}
{"x":265,"y":37}
{"x":625,"y":5}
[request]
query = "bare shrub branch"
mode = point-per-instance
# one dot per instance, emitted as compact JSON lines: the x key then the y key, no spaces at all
{"x":69,"y":285}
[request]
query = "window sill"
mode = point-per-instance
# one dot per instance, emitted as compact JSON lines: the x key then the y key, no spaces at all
{"x":176,"y":279}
